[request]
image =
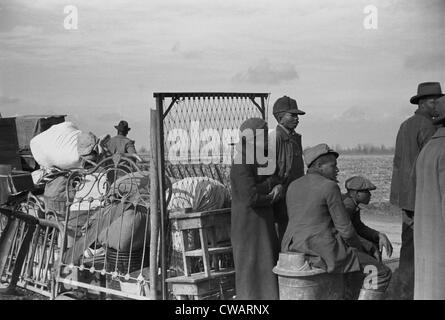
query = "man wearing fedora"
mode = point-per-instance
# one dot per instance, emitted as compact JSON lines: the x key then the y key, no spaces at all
{"x":412,"y":136}
{"x":120,"y":143}
{"x":429,"y":220}
{"x":321,"y":228}
{"x":289,"y":152}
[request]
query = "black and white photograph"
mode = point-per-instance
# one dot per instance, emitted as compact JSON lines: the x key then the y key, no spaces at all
{"x":242,"y":152}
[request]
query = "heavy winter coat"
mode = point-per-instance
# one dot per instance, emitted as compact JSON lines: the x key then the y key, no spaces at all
{"x":254,"y":240}
{"x":429,"y":220}
{"x":290,"y":167}
{"x":413,"y":134}
{"x":319,"y":225}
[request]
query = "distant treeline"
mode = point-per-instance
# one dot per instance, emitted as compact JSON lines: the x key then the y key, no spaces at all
{"x":365,"y":149}
{"x":358,"y":149}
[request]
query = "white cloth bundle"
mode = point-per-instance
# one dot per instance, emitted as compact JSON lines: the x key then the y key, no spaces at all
{"x":57,"y":146}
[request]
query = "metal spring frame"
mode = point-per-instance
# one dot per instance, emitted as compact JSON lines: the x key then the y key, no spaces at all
{"x":29,"y":254}
{"x":163,"y":110}
{"x":111,"y":194}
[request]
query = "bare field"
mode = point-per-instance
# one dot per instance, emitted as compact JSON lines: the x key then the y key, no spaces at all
{"x":378,"y":169}
{"x":379,"y":214}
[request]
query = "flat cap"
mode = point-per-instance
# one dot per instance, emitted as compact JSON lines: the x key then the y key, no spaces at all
{"x":86,"y":141}
{"x":286,"y":104}
{"x":313,"y":153}
{"x":359,"y":183}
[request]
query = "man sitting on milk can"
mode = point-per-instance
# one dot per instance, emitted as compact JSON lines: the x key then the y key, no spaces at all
{"x":320,"y":227}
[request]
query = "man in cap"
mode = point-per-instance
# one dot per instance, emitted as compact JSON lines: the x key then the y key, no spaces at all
{"x":320,"y":227}
{"x":254,"y":240}
{"x":429,"y":220}
{"x":289,"y":152}
{"x":359,"y":192}
{"x":120,"y":143}
{"x":413,"y":134}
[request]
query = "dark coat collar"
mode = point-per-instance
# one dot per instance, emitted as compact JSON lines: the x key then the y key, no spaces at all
{"x":423,"y":113}
{"x":284,"y":132}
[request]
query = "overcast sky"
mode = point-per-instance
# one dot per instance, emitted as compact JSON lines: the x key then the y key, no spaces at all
{"x":354,"y":84}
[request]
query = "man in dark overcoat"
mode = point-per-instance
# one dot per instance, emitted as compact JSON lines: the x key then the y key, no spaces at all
{"x":413,"y":134}
{"x":254,"y":240}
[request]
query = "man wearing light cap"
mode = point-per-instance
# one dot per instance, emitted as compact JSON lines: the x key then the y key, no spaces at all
{"x":429,"y":220}
{"x":413,"y":134}
{"x":320,"y":227}
{"x":289,"y":165}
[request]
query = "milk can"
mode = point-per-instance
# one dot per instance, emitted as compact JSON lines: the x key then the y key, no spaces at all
{"x":298,"y":281}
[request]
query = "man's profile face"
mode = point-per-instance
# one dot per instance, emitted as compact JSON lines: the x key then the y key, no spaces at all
{"x":329,"y":169}
{"x":363,"y":196}
{"x":289,"y":120}
{"x":430,"y":105}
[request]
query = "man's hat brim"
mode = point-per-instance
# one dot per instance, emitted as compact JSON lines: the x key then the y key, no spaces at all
{"x":415,"y":99}
{"x":335,"y":153}
{"x":301,"y":112}
{"x":294,"y":111}
{"x":122,"y":128}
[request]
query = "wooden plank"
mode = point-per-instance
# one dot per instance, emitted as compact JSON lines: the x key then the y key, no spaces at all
{"x":216,"y":250}
{"x":182,"y":215}
{"x":201,"y":276}
{"x":205,"y":251}
{"x":154,"y":194}
{"x":184,"y":256}
{"x":203,"y":222}
{"x":207,"y":287}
